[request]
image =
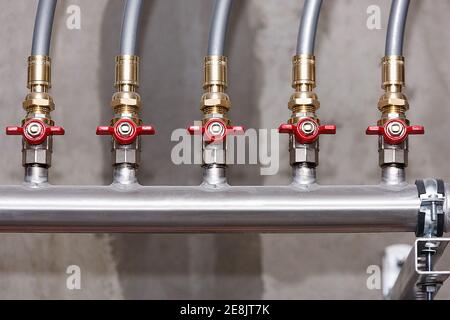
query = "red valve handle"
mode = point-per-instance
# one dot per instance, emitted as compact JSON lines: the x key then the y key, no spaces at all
{"x":35,"y":131}
{"x":125,"y":131}
{"x":395,"y":131}
{"x":215,"y":130}
{"x":307,"y":130}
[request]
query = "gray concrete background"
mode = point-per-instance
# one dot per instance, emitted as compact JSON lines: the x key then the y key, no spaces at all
{"x":261,"y":43}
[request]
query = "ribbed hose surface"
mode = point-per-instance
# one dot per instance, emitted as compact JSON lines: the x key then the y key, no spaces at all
{"x":308,"y":27}
{"x":130,"y":25}
{"x":43,"y":27}
{"x":219,"y":24}
{"x":396,"y":27}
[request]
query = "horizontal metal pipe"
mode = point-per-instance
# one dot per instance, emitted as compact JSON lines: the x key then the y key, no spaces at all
{"x":208,"y":208}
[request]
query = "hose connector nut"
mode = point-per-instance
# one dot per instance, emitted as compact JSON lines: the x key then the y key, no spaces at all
{"x":127,"y":71}
{"x":215,"y":101}
{"x":39,"y":72}
{"x":215,"y":72}
{"x":130,"y":100}
{"x":393,"y":101}
{"x":39,"y":102}
{"x":304,"y":99}
{"x":303,"y":71}
{"x":392,"y":71}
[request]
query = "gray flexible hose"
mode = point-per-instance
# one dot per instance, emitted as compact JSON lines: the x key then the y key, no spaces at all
{"x":308,"y":27}
{"x":43,"y":24}
{"x":218,"y":30}
{"x":130,"y":24}
{"x":396,"y":27}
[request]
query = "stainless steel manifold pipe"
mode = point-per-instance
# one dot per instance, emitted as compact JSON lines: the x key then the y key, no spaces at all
{"x":215,"y":206}
{"x":136,"y":208}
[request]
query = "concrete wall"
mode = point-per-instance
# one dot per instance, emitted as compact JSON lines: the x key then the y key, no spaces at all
{"x":173,"y":42}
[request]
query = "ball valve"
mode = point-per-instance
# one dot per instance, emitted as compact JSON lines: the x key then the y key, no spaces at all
{"x":35,"y":131}
{"x":307,"y":130}
{"x":215,"y":130}
{"x":125,"y":131}
{"x":395,"y":131}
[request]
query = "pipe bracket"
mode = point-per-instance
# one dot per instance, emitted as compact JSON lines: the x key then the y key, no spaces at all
{"x":431,"y":217}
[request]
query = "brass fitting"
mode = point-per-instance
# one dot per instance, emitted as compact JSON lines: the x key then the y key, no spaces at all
{"x":37,"y":126}
{"x":215,"y":103}
{"x":304,"y":102}
{"x":303,"y":72}
{"x":39,"y":73}
{"x":39,"y":103}
{"x":126,"y":102}
{"x":393,"y":104}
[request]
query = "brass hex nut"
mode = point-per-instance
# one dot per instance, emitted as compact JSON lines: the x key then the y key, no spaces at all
{"x":393,"y":99}
{"x":303,"y":70}
{"x":126,"y":98}
{"x":215,"y":99}
{"x":215,"y":71}
{"x":393,"y":102}
{"x":304,"y":99}
{"x":393,"y":71}
{"x":40,"y":100}
{"x":39,"y":71}
{"x":127,"y":70}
